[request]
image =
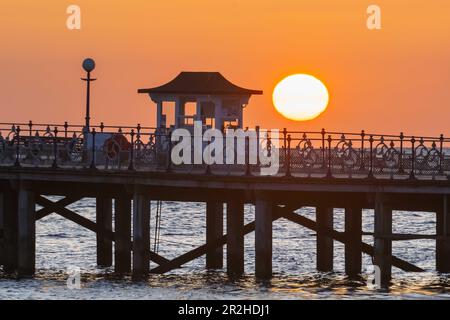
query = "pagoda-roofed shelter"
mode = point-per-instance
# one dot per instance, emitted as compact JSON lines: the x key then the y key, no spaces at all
{"x":218,"y":102}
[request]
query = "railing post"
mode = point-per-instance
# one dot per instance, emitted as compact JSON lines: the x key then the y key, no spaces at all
{"x":248,"y":171}
{"x":208,"y":166}
{"x":324,"y":161}
{"x":412,"y":175}
{"x":131,"y":165}
{"x":329,"y":175}
{"x":93,"y":149}
{"x":363,"y":135}
{"x":55,"y":148}
{"x":441,"y":153}
{"x":17,"y":163}
{"x":208,"y":169}
{"x":285,"y":144}
{"x":66,"y":127}
{"x":370,"y":176}
{"x":138,"y":128}
{"x":401,"y":168}
{"x":102,"y":126}
{"x":169,"y":160}
{"x":30,"y":128}
{"x":288,"y":167}
{"x":258,"y":146}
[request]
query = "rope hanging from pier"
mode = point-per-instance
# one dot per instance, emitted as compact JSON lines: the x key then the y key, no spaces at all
{"x":157,"y":235}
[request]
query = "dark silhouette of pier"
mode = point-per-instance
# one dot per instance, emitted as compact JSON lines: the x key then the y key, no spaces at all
{"x":130,"y":167}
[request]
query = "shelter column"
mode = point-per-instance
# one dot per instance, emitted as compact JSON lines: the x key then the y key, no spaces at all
{"x":218,"y":115}
{"x":179,"y":112}
{"x":198,"y":110}
{"x":241,"y":114}
{"x":159,"y":114}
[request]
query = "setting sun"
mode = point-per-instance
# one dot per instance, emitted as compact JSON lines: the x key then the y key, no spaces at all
{"x":300,"y":97}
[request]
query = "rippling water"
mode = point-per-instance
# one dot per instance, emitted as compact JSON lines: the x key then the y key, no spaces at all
{"x":62,"y":244}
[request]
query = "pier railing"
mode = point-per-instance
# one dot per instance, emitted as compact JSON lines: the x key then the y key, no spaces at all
{"x":298,"y":153}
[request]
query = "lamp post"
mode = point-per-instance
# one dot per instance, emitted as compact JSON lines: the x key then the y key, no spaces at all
{"x":88,"y":66}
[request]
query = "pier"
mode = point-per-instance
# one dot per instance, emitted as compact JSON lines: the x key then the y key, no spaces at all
{"x":129,"y":169}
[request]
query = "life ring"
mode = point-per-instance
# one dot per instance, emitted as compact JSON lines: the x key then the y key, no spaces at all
{"x":116,"y":146}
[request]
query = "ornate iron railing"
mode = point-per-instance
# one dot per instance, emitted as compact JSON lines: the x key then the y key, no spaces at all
{"x":301,"y":154}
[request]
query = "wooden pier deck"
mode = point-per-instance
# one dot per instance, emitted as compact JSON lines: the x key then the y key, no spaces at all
{"x":383,"y":173}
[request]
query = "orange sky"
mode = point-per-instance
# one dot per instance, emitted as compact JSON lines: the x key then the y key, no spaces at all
{"x":389,"y":80}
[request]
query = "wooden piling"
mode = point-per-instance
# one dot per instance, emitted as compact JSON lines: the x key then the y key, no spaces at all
{"x":263,"y":238}
{"x":443,"y":242}
{"x":214,"y":231}
{"x":2,"y":242}
{"x":141,"y":234}
{"x":353,"y":246}
{"x":26,"y":233}
{"x":325,"y":248}
{"x":104,"y":224}
{"x":10,"y":231}
{"x":235,"y":238}
{"x":122,"y":249}
{"x":383,"y":244}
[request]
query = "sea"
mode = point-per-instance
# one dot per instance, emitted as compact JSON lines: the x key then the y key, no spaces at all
{"x":65,"y":250}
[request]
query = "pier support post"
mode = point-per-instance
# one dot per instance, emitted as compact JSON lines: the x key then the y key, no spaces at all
{"x":26,"y":232}
{"x":325,"y":248}
{"x":353,"y":246}
{"x":122,"y":216}
{"x":235,"y":238}
{"x":141,"y":234}
{"x":2,"y":228}
{"x":214,"y":231}
{"x":443,"y":230}
{"x":263,"y":238}
{"x":383,"y":245}
{"x":104,"y":223}
{"x":10,"y":231}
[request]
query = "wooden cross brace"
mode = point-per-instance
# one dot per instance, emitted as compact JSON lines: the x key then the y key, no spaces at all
{"x":59,"y":207}
{"x":165,"y":265}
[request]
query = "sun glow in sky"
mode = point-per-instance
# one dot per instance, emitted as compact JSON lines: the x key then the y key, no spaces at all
{"x":393,"y":79}
{"x":300,"y":97}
